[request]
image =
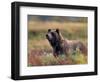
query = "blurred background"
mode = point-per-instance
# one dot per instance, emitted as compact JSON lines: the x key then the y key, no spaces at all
{"x":39,"y":49}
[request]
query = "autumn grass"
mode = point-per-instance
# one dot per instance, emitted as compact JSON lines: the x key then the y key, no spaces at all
{"x":49,"y":59}
{"x":40,"y":53}
{"x":36,"y":26}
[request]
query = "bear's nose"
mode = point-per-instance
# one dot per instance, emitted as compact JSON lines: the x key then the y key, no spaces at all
{"x":49,"y":36}
{"x":46,"y":35}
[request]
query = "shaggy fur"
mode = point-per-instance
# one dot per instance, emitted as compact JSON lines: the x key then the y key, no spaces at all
{"x":63,"y":46}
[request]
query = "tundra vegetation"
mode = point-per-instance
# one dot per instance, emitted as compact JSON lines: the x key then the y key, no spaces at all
{"x":40,"y":53}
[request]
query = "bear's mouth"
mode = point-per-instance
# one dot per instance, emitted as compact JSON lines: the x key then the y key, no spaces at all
{"x":53,"y":39}
{"x":54,"y":43}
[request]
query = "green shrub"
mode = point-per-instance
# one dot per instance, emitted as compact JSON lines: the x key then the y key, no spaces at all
{"x":78,"y":57}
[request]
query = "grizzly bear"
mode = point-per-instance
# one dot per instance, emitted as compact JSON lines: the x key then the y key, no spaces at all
{"x":64,"y":46}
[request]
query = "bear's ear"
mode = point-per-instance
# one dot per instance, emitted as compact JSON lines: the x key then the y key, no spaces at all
{"x":49,"y":30}
{"x":57,"y":30}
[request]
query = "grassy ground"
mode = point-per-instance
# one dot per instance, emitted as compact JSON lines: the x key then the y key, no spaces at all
{"x":46,"y":59}
{"x":39,"y":49}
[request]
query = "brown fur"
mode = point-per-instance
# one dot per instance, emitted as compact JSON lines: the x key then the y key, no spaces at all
{"x":69,"y":46}
{"x":64,"y":46}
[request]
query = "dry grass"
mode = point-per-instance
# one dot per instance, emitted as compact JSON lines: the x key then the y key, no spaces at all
{"x":46,"y":59}
{"x":39,"y":49}
{"x":36,"y":26}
